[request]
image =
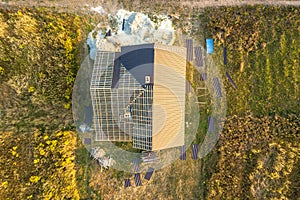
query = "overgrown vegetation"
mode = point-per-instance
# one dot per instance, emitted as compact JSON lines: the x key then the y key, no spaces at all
{"x":38,"y":166}
{"x":258,"y":159}
{"x":263,"y":56}
{"x":40,"y":54}
{"x":39,"y":61}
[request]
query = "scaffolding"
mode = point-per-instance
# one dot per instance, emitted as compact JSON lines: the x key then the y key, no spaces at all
{"x":123,"y":93}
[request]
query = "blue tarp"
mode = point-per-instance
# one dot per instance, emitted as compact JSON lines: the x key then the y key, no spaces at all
{"x":209,"y":45}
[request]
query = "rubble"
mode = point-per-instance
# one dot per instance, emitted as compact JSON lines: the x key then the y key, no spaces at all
{"x":99,"y":154}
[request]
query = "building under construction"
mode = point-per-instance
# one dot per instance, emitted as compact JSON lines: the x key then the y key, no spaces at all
{"x":138,"y":95}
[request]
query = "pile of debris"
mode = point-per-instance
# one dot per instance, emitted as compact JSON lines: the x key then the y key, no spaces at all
{"x":149,"y":157}
{"x":99,"y":154}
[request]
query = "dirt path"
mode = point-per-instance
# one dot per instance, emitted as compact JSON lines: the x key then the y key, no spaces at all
{"x":85,"y":5}
{"x":210,"y":3}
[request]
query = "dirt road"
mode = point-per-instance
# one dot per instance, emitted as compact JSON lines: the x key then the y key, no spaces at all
{"x":85,"y":5}
{"x":209,"y":3}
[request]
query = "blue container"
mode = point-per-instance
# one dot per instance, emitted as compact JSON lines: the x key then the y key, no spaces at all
{"x":209,"y":45}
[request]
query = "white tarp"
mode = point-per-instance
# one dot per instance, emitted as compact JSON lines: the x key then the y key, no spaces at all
{"x":138,"y":29}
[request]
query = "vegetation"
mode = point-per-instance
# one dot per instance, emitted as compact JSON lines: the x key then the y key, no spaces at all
{"x":39,"y":58}
{"x":257,"y":156}
{"x":43,"y":170}
{"x":263,"y":56}
{"x":39,"y":61}
{"x":258,"y":159}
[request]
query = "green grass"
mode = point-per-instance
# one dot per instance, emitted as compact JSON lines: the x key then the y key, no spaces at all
{"x":268,"y":83}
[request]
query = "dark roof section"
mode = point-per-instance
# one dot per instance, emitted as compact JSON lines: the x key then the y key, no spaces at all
{"x":139,"y":61}
{"x":116,"y":71}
